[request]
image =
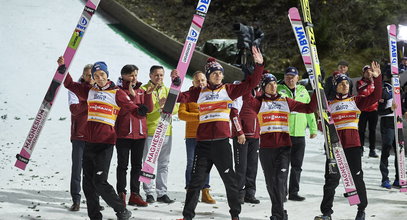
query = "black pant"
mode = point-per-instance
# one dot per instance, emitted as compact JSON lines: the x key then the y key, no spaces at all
{"x":371,"y":118}
{"x":124,"y":147}
{"x":354,"y":159}
{"x":96,"y":163}
{"x":246,"y":161}
{"x":208,"y":153}
{"x":388,"y":142}
{"x":296,"y":158}
{"x":274,"y":162}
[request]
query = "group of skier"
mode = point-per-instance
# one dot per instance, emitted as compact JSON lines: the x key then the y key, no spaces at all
{"x":267,"y":123}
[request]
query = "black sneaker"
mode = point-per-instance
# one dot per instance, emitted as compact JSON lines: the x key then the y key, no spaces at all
{"x":124,"y":215}
{"x":296,"y":197}
{"x":150,"y":199}
{"x":251,"y":199}
{"x":360,"y":215}
{"x":165,"y":199}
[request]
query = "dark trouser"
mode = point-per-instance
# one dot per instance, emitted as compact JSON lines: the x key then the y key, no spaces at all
{"x":354,"y":158}
{"x":296,"y":158}
{"x":246,"y":161}
{"x":136,"y":148}
{"x":190,"y":147}
{"x":371,"y":118}
{"x":77,"y":155}
{"x":388,"y":142}
{"x":208,"y":153}
{"x":96,"y":163}
{"x":274,"y":162}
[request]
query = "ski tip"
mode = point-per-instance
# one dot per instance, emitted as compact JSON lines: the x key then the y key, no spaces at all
{"x":403,"y":190}
{"x":392,"y":29}
{"x":294,"y":14}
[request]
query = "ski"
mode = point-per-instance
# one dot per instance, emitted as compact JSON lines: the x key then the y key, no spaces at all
{"x":150,"y":162}
{"x":25,"y":154}
{"x":333,"y":147}
{"x":398,"y":117}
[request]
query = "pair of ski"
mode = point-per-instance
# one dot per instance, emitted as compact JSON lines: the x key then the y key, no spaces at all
{"x":335,"y":155}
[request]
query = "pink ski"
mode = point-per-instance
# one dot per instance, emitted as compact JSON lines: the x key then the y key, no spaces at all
{"x":150,"y":163}
{"x":25,"y":154}
{"x":333,"y":147}
{"x":398,"y":117}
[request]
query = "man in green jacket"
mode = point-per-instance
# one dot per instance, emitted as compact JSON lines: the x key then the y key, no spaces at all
{"x":298,"y":123}
{"x":159,"y":96}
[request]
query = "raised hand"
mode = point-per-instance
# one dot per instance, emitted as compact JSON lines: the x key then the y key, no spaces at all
{"x":257,"y":56}
{"x":376,"y":69}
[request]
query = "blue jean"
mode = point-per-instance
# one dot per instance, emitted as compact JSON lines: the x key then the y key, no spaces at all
{"x":190,"y":146}
{"x":77,"y":155}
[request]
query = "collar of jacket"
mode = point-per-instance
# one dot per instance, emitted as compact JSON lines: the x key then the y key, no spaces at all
{"x":109,"y":85}
{"x":213,"y":87}
{"x":271,"y":97}
{"x":341,"y":96}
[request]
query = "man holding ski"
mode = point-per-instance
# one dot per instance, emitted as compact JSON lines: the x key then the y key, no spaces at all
{"x":213,"y":133}
{"x":105,"y":100}
{"x":275,"y":143}
{"x":345,"y":110}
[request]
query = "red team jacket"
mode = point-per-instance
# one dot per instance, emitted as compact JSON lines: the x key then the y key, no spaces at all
{"x":350,"y":137}
{"x":127,"y":125}
{"x":221,"y":129}
{"x":281,"y":139}
{"x":247,"y":117}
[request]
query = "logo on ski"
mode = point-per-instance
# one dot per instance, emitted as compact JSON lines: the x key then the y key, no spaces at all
{"x":203,"y":6}
{"x":193,"y":34}
{"x":75,"y":39}
{"x":83,"y":22}
{"x":302,"y":39}
{"x":90,"y":10}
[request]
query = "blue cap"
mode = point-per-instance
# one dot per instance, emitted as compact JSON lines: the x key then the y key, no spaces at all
{"x":291,"y":71}
{"x":100,"y":66}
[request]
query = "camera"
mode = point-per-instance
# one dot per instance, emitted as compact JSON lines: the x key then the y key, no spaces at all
{"x":248,"y":36}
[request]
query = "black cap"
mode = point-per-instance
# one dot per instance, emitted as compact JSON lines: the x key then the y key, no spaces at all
{"x":343,"y":63}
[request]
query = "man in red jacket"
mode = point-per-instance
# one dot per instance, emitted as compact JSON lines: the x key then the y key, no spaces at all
{"x":131,"y":134}
{"x":365,"y":87}
{"x":79,"y":114}
{"x":105,"y":100}
{"x":275,"y":142}
{"x":213,"y":133}
{"x":345,"y":110}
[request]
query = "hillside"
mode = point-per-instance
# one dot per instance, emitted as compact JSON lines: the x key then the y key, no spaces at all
{"x":351,"y":30}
